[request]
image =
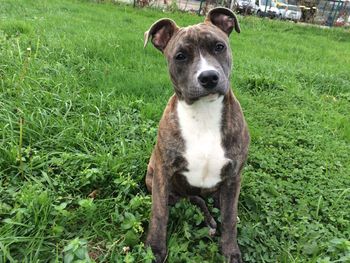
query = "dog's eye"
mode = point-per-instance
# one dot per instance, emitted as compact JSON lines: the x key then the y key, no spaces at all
{"x":219,"y":47}
{"x":180,"y":56}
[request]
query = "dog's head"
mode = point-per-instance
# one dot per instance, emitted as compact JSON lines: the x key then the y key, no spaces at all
{"x":199,"y":56}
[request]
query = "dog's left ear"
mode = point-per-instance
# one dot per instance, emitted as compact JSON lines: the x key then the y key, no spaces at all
{"x":224,"y":19}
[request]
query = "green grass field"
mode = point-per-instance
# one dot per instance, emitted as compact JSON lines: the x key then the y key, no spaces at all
{"x":80,"y":101}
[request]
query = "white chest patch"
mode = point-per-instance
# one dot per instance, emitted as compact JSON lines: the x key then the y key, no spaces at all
{"x":200,"y":128}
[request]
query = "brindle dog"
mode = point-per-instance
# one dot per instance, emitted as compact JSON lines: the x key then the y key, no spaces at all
{"x":203,"y":139}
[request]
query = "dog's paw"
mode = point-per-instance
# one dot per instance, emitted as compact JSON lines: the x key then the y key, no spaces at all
{"x":235,"y":258}
{"x":159,"y":253}
{"x":159,"y":256}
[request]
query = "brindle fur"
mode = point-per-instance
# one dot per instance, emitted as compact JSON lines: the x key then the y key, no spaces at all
{"x":165,"y":179}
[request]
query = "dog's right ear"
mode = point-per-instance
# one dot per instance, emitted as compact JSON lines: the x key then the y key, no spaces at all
{"x":160,"y":33}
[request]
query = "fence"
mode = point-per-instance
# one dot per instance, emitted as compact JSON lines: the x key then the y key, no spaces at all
{"x":195,"y":6}
{"x":321,"y":12}
{"x":333,"y":13}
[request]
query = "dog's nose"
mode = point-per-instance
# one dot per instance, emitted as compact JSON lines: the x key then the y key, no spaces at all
{"x":208,"y":79}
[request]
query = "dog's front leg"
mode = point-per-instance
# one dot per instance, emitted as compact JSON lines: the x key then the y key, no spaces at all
{"x":229,"y":192}
{"x":156,"y":237}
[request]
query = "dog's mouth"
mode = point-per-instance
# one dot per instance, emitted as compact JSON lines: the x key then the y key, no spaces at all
{"x":211,"y":97}
{"x":206,"y":95}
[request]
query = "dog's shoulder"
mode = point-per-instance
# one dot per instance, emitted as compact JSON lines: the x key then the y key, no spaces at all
{"x":236,"y":138}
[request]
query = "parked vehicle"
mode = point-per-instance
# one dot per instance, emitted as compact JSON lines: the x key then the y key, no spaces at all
{"x":266,"y":8}
{"x":293,"y":13}
{"x":245,"y":7}
{"x":281,"y":6}
{"x":282,"y":9}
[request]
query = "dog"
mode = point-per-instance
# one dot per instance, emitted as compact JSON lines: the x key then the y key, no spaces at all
{"x":203,"y":139}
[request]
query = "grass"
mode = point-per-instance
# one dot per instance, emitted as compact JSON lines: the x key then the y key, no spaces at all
{"x":80,"y":101}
